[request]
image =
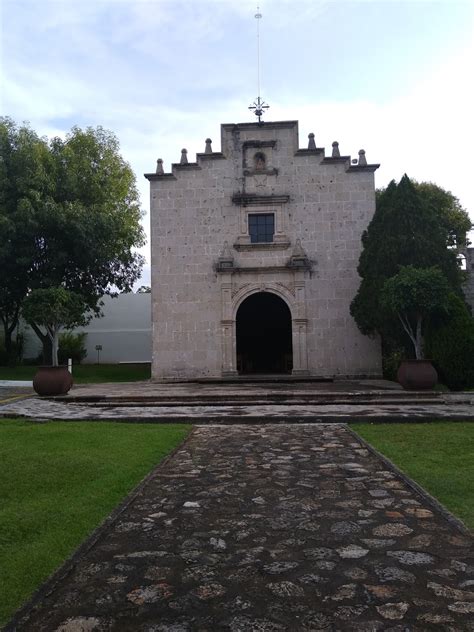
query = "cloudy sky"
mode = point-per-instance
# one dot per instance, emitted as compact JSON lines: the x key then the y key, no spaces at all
{"x":393,"y":77}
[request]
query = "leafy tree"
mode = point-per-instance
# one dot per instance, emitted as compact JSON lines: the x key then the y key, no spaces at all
{"x":81,"y":221}
{"x":413,"y":295}
{"x":144,"y":289}
{"x":451,"y":215}
{"x":404,"y":231}
{"x":23,"y":184}
{"x":454,"y":219}
{"x":54,"y":309}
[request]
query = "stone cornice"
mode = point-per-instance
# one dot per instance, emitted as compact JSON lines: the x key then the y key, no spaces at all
{"x":266,"y":245}
{"x":310,"y":152}
{"x":159,"y":176}
{"x":330,"y":160}
{"x":252,"y":199}
{"x":189,"y":166}
{"x":216,"y":155}
{"x":363,"y":168}
{"x":263,"y":124}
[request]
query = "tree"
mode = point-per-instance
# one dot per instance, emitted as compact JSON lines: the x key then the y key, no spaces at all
{"x":454,"y":219}
{"x":144,"y":289}
{"x":54,"y":309}
{"x":413,"y":295}
{"x":80,"y":222}
{"x":23,"y":183}
{"x":405,"y":230}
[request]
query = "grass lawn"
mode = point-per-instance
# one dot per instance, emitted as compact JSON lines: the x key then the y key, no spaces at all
{"x":438,"y":456}
{"x":57,"y":482}
{"x":86,"y":373}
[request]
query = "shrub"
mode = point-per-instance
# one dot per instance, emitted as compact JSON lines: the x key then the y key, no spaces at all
{"x":450,"y":345}
{"x":72,"y":346}
{"x":391,"y":362}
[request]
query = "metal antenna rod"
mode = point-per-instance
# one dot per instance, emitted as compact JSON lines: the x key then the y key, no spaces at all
{"x":258,"y":17}
{"x":258,"y":106}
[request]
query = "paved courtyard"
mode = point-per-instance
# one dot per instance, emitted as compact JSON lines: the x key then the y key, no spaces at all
{"x":268,"y":528}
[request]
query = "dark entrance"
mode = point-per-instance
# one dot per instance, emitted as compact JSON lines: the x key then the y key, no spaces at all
{"x":264,"y":335}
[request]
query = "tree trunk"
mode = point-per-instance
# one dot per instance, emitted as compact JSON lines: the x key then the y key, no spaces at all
{"x":9,"y":326}
{"x":46,"y":342}
{"x":55,"y":346}
{"x":419,"y":340}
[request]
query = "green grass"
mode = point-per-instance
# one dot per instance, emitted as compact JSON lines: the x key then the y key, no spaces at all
{"x":86,"y":373}
{"x":438,"y":456}
{"x":58,"y":481}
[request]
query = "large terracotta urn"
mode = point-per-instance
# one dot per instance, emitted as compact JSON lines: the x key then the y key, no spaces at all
{"x":417,"y":375}
{"x":52,"y":380}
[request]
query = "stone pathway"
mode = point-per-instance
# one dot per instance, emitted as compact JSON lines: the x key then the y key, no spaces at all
{"x":266,"y":529}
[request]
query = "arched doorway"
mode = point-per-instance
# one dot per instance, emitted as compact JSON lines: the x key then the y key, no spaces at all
{"x":264,"y":339}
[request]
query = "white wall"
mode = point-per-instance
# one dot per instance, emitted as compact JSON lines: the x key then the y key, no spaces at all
{"x":124,"y":331}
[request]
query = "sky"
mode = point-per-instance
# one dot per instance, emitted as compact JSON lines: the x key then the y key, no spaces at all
{"x":392,"y":77}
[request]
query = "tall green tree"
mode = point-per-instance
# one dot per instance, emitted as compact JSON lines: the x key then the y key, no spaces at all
{"x":406,"y":230}
{"x":81,"y":223}
{"x":23,"y":187}
{"x":453,"y":217}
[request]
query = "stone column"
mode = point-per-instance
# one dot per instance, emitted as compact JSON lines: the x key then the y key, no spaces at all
{"x":300,"y":351}
{"x":300,"y":326}
{"x":227,"y":326}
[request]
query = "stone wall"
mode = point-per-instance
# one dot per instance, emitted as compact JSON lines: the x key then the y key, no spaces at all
{"x":203,"y":264}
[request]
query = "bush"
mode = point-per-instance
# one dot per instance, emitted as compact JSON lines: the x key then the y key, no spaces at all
{"x":72,"y":346}
{"x":451,"y":346}
{"x":391,"y":362}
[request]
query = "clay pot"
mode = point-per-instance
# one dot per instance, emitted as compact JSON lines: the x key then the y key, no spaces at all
{"x":417,"y":375}
{"x":52,"y":380}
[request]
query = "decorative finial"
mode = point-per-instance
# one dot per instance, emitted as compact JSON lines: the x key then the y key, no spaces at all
{"x":159,"y":167}
{"x":184,"y":157}
{"x":258,"y":106}
{"x":362,"y":158}
{"x":311,"y":141}
{"x":208,"y":149}
{"x":335,"y":150}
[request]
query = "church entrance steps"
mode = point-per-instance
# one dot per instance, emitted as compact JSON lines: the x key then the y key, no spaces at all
{"x":353,"y":400}
{"x":193,"y":403}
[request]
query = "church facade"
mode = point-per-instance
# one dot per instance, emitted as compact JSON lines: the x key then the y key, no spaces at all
{"x":254,"y":253}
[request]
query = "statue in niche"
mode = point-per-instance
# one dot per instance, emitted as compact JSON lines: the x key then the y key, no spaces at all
{"x":259,"y":161}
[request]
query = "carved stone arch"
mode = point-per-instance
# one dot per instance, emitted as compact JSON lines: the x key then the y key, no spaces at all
{"x":276,"y":288}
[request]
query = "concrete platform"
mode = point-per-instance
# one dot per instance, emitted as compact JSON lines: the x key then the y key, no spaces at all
{"x":283,"y":402}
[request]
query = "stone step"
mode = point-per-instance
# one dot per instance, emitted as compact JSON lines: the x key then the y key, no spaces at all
{"x":274,"y":399}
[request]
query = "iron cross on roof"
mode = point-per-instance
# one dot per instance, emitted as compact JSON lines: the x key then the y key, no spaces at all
{"x":259,"y":106}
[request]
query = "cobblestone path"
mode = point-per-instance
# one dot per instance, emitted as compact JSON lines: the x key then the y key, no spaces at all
{"x":269,"y":528}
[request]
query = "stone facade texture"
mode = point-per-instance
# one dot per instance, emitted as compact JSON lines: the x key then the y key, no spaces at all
{"x":204,"y":266}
